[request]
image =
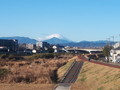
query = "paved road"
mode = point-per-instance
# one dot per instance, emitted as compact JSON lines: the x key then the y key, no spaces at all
{"x":63,"y":86}
{"x":101,"y":63}
{"x":73,"y":73}
{"x":70,"y":77}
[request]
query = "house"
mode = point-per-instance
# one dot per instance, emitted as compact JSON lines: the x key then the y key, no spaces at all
{"x":59,"y":49}
{"x":4,"y":49}
{"x":115,"y":53}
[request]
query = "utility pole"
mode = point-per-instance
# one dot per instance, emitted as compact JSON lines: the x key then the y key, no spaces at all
{"x":119,"y":40}
{"x":113,"y":39}
{"x":108,"y":41}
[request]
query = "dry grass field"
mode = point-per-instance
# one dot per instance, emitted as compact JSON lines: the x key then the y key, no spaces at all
{"x":39,"y":71}
{"x":97,"y":77}
{"x":35,"y":74}
{"x":26,"y":86}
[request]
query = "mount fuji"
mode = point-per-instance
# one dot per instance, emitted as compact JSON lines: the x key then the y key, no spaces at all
{"x":56,"y":39}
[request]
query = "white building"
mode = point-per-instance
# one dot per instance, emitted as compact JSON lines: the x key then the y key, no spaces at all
{"x":116,"y":45}
{"x":39,"y":44}
{"x":42,"y":44}
{"x":115,"y":53}
{"x":55,"y":49}
{"x":30,"y":46}
{"x":58,"y":49}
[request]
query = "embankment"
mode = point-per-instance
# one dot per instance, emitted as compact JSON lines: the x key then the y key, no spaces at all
{"x":97,"y":77}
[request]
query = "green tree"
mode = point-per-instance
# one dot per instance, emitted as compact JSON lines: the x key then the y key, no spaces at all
{"x":106,"y":51}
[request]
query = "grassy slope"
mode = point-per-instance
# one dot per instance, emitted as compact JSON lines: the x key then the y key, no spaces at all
{"x":97,"y":77}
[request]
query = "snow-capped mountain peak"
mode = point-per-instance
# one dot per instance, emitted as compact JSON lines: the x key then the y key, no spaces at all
{"x":55,"y":39}
{"x":53,"y":36}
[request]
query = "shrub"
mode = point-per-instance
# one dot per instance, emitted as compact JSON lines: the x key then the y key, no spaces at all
{"x":10,"y":57}
{"x":4,"y":56}
{"x":14,"y":57}
{"x":3,"y":73}
{"x":43,"y":55}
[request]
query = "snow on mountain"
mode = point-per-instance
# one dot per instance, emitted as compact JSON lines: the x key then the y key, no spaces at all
{"x":55,"y":40}
{"x":53,"y":36}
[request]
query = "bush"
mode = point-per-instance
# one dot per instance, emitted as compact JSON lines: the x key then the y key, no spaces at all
{"x":11,"y":57}
{"x":3,"y":73}
{"x":26,"y":79}
{"x":14,"y":57}
{"x":43,"y":55}
{"x":4,"y":56}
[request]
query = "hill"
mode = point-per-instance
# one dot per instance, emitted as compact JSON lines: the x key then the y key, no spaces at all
{"x":86,"y":44}
{"x":21,"y":39}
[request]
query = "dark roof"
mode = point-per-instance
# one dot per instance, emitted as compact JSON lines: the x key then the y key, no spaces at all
{"x":117,"y":48}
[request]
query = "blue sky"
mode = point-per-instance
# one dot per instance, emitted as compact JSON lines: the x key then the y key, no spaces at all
{"x":75,"y":19}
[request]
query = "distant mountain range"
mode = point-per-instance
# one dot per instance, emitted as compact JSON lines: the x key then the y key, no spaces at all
{"x":61,"y":41}
{"x":86,"y":44}
{"x":21,"y":39}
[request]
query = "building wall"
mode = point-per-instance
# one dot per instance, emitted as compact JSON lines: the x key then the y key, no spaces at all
{"x":42,"y":44}
{"x":12,"y":45}
{"x":114,"y":55}
{"x":30,"y":46}
{"x":116,"y":45}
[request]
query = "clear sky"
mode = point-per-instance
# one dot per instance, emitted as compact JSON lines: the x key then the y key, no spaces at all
{"x":75,"y":19}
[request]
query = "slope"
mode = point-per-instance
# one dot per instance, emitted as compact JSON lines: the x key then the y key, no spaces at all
{"x":97,"y":77}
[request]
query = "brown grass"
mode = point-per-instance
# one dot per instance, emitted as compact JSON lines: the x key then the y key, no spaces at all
{"x":30,"y":74}
{"x":97,"y":77}
{"x":37,"y":71}
{"x":26,"y":86}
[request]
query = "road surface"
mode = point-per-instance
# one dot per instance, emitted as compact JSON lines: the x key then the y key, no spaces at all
{"x":70,"y":77}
